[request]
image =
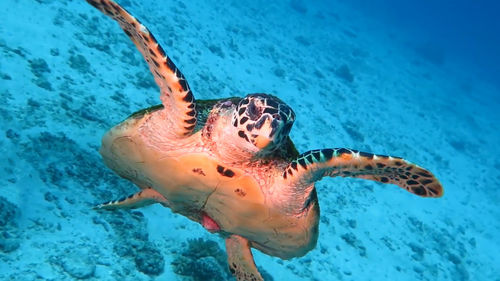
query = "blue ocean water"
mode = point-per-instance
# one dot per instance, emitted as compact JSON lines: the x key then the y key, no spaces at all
{"x":416,"y":79}
{"x":452,"y":30}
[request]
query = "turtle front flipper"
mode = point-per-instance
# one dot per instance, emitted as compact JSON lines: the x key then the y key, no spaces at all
{"x":240,"y":259}
{"x":175,"y":93}
{"x":142,"y":198}
{"x":309,"y":167}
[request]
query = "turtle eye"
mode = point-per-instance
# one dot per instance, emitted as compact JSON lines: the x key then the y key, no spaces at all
{"x":263,"y":120}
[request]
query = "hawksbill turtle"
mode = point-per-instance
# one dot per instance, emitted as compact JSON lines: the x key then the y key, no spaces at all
{"x":230,"y":165}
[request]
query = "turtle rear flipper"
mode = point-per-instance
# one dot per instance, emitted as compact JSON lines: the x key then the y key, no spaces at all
{"x":175,"y":93}
{"x":240,"y":259}
{"x":142,"y":198}
{"x":309,"y":167}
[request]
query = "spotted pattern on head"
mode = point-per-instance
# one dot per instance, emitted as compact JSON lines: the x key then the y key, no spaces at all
{"x":176,"y":95}
{"x":263,"y":120}
{"x":315,"y":164}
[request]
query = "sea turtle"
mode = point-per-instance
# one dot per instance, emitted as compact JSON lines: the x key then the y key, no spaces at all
{"x":230,"y":165}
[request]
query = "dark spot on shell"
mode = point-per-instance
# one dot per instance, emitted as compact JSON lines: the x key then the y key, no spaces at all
{"x":419,"y":190}
{"x":169,"y":63}
{"x":309,"y":158}
{"x":240,"y":192}
{"x":199,"y":171}
{"x":411,"y":182}
{"x":317,"y":156}
{"x":228,"y":173}
{"x":366,"y":154}
{"x":188,"y":97}
{"x":433,"y":190}
{"x":261,"y":122}
{"x":220,"y":169}
{"x":253,"y":111}
{"x":270,"y":111}
{"x":328,"y":153}
{"x":343,"y":150}
{"x":384,"y":179}
{"x":242,"y":110}
{"x":183,"y":84}
{"x":189,"y":128}
{"x":243,"y":120}
{"x":425,"y":174}
{"x":190,"y":121}
{"x":162,"y":53}
{"x":426,"y":181}
{"x":272,"y":103}
{"x":153,"y":54}
{"x":302,"y":163}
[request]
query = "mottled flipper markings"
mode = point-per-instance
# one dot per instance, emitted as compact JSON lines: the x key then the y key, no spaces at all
{"x":316,"y":164}
{"x":240,"y":259}
{"x":175,"y":93}
{"x":142,"y":198}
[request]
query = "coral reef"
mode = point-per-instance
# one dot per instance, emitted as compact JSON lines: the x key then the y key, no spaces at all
{"x":77,"y":263}
{"x":202,"y":260}
{"x":40,"y":68}
{"x":149,"y":260}
{"x":132,"y":241}
{"x":9,"y":232}
{"x":344,"y":73}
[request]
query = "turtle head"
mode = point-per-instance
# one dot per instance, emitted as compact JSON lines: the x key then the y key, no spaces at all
{"x":263,"y":120}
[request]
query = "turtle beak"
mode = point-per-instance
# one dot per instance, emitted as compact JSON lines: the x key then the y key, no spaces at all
{"x":264,"y":138}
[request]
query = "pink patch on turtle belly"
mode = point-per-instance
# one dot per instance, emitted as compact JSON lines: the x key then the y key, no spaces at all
{"x":208,"y":223}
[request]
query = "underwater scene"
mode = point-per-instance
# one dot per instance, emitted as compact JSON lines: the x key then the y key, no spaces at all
{"x":211,"y":181}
